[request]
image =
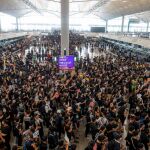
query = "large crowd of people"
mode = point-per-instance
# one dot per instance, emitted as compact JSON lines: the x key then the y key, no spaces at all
{"x":42,"y":107}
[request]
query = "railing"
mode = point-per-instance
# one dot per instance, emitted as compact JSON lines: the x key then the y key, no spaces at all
{"x":125,"y":37}
{"x":10,"y":35}
{"x":132,"y":34}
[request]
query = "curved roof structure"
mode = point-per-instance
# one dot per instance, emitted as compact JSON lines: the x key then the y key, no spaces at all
{"x":105,"y":9}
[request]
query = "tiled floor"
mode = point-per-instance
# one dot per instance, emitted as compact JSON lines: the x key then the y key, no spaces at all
{"x":83,"y":141}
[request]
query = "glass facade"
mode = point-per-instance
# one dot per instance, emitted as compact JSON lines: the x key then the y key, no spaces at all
{"x":7,"y":22}
{"x":80,"y":22}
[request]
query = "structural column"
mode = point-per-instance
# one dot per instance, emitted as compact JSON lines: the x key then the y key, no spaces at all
{"x":147,"y":27}
{"x":64,"y":27}
{"x":122,"y":26}
{"x":0,"y":25}
{"x":106,"y":28}
{"x":17,"y":24}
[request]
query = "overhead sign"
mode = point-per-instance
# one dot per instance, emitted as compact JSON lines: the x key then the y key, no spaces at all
{"x":66,"y":62}
{"x":132,"y":20}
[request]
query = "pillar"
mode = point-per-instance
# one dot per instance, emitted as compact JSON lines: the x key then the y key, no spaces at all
{"x":106,"y":28}
{"x":147,"y":27}
{"x":0,"y":25}
{"x":129,"y":26}
{"x":64,"y":27}
{"x":17,"y":24}
{"x":122,"y":26}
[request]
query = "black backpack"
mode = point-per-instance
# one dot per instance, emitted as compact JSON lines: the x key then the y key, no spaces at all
{"x":52,"y":140}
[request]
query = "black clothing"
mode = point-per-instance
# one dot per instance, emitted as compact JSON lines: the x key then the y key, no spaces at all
{"x":113,"y":145}
{"x":145,"y":139}
{"x":6,"y":131}
{"x":52,"y":140}
{"x":134,"y":144}
{"x":93,"y":130}
{"x":128,"y":139}
{"x":43,"y":146}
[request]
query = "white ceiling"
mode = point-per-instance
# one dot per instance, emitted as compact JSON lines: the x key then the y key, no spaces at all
{"x":144,"y":16}
{"x":14,"y":7}
{"x":105,"y":9}
{"x":19,"y":8}
{"x":117,"y":8}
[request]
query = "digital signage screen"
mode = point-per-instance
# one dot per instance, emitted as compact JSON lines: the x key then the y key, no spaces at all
{"x":98,"y":29}
{"x":66,"y":62}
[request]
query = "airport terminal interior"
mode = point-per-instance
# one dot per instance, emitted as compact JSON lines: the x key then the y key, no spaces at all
{"x":74,"y":74}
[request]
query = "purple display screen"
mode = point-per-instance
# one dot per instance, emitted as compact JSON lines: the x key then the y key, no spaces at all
{"x":66,"y":62}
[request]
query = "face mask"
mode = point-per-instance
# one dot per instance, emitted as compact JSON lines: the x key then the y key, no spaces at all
{"x":4,"y":110}
{"x":138,"y":109}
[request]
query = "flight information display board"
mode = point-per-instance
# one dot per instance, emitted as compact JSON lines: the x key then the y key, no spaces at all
{"x":66,"y":62}
{"x":98,"y":29}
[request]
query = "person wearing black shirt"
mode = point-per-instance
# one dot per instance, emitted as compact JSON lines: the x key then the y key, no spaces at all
{"x":59,"y":125}
{"x":101,"y":142}
{"x":61,"y":145}
{"x":135,"y":140}
{"x":145,"y":138}
{"x":129,"y":136}
{"x":29,"y":144}
{"x":52,"y":139}
{"x":88,"y":122}
{"x":19,"y":137}
{"x":6,"y":132}
{"x":133,"y":122}
{"x":94,"y":128}
{"x":43,"y":144}
{"x":115,"y":143}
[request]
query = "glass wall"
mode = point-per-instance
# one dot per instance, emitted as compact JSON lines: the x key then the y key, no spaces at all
{"x":140,"y":27}
{"x":8,"y":23}
{"x":84,"y":22}
{"x":114,"y":25}
{"x":34,"y":21}
{"x":80,"y":22}
{"x":48,"y":21}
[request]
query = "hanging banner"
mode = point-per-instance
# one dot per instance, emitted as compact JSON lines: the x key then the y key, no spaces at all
{"x":66,"y":62}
